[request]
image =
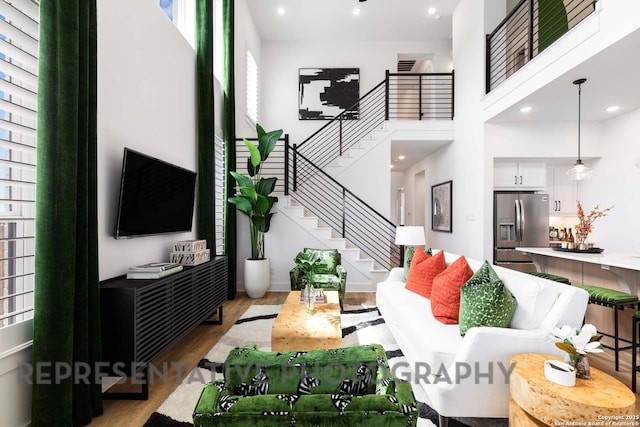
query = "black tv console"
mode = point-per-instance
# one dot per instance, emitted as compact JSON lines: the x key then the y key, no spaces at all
{"x":142,"y":318}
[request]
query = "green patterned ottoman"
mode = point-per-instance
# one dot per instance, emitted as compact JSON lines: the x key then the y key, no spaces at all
{"x":349,"y":386}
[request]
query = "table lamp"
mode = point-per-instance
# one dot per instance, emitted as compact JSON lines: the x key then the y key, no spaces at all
{"x":412,"y":235}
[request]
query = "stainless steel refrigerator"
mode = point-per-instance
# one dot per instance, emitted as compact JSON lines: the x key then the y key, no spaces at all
{"x":520,"y":220}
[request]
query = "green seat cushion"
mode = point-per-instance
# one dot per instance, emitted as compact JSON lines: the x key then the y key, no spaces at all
{"x":608,"y":296}
{"x":322,"y":371}
{"x":324,"y":280}
{"x":485,"y":301}
{"x":549,"y":276}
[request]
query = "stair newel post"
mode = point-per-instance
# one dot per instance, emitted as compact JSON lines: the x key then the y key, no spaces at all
{"x":340,"y":120}
{"x":295,"y":168}
{"x":386,"y":95}
{"x":420,"y":97}
{"x":344,"y":212}
{"x":286,"y":164}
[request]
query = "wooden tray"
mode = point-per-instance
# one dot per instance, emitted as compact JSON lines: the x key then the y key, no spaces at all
{"x":582,"y":251}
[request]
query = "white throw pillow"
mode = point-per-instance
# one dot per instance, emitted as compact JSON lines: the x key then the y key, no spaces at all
{"x":535,"y":298}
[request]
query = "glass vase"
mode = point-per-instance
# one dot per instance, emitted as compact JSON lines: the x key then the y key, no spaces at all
{"x":309,"y":297}
{"x":580,"y":363}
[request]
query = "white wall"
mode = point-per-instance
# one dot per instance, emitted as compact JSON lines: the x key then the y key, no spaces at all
{"x":246,"y":37}
{"x":146,"y":101}
{"x":281,"y":61}
{"x":461,"y":161}
{"x":616,"y":181}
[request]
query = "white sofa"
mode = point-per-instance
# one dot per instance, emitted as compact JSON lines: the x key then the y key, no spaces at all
{"x":541,"y":305}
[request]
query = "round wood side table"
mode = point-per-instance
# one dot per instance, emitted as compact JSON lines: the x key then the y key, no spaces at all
{"x":536,"y":401}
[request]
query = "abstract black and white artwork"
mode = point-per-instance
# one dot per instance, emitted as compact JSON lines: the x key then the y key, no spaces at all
{"x":323,"y":93}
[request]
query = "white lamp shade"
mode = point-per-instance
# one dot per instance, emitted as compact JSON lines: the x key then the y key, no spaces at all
{"x":410,"y":235}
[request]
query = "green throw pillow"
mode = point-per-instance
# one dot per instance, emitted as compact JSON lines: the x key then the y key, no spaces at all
{"x":408,"y":256}
{"x":485,"y":301}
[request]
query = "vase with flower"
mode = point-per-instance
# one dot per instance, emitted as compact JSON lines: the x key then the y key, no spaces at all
{"x":578,"y":343}
{"x":585,"y":224}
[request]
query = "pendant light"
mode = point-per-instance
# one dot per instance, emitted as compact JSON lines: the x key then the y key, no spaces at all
{"x":579,"y":171}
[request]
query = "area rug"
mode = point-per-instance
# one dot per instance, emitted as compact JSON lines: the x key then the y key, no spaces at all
{"x":360,"y":325}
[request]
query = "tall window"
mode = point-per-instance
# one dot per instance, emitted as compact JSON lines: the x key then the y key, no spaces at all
{"x":252,"y":89}
{"x":183,"y":14}
{"x":18,"y":102}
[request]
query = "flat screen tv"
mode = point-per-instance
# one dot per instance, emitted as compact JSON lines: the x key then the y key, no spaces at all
{"x":156,"y":197}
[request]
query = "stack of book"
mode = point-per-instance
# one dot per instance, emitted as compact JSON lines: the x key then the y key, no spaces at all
{"x":190,"y":252}
{"x":153,"y":270}
{"x":319,"y":295}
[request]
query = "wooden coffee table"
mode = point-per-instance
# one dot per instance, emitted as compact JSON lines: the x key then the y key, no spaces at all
{"x":296,"y":330}
{"x":536,"y":401}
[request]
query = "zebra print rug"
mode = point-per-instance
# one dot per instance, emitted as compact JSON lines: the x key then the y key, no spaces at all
{"x":360,"y":325}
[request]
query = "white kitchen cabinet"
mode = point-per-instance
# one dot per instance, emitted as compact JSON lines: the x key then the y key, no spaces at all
{"x":563,"y":193}
{"x":519,"y":175}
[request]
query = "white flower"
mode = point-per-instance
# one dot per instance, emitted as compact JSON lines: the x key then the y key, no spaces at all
{"x":563,"y":333}
{"x":579,"y":340}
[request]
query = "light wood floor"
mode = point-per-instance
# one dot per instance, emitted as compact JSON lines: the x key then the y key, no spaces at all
{"x":195,"y":345}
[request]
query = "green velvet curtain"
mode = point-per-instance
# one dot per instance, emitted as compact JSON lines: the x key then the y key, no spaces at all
{"x":552,"y":22}
{"x":205,"y":217}
{"x":229,"y":141}
{"x":67,"y":305}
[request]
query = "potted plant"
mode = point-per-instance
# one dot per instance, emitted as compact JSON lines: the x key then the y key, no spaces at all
{"x":253,"y":198}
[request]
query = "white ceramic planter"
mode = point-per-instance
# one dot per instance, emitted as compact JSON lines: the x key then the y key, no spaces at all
{"x":257,"y":277}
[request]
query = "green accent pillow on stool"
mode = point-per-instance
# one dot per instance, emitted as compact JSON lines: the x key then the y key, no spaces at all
{"x":485,"y":301}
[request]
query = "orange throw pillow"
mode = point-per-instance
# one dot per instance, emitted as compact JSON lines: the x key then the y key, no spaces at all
{"x":423,"y":270}
{"x":445,"y":296}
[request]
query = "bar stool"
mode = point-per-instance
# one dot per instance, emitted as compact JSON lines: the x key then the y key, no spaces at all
{"x":549,"y":276}
{"x":634,"y":350}
{"x":618,"y":301}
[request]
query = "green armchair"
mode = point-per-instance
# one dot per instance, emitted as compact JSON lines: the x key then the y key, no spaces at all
{"x":327,"y":273}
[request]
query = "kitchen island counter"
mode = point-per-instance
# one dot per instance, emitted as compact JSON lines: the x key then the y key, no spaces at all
{"x":625,"y":267}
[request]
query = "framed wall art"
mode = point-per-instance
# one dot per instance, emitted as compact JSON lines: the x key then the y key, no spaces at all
{"x":323,"y":93}
{"x":441,"y":209}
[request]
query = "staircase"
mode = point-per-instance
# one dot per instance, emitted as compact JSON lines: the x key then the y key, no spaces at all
{"x":334,"y":215}
{"x":362,"y":271}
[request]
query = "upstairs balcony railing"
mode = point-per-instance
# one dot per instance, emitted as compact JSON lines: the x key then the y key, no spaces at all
{"x":530,"y":27}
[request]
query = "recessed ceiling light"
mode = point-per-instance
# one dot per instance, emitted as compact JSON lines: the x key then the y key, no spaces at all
{"x":436,"y":16}
{"x":612,"y":109}
{"x":400,"y":157}
{"x":431,"y":11}
{"x":525,"y":109}
{"x":356,"y":11}
{"x":281,"y":11}
{"x":391,"y":166}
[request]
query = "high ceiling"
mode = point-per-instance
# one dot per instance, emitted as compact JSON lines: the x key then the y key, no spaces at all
{"x":611,"y":74}
{"x":334,"y":20}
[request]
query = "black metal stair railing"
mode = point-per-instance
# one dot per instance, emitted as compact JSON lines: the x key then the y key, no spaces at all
{"x":299,"y":168}
{"x":340,"y":134}
{"x":420,"y":96}
{"x":527,"y":30}
{"x":400,"y":96}
{"x":342,"y":210}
